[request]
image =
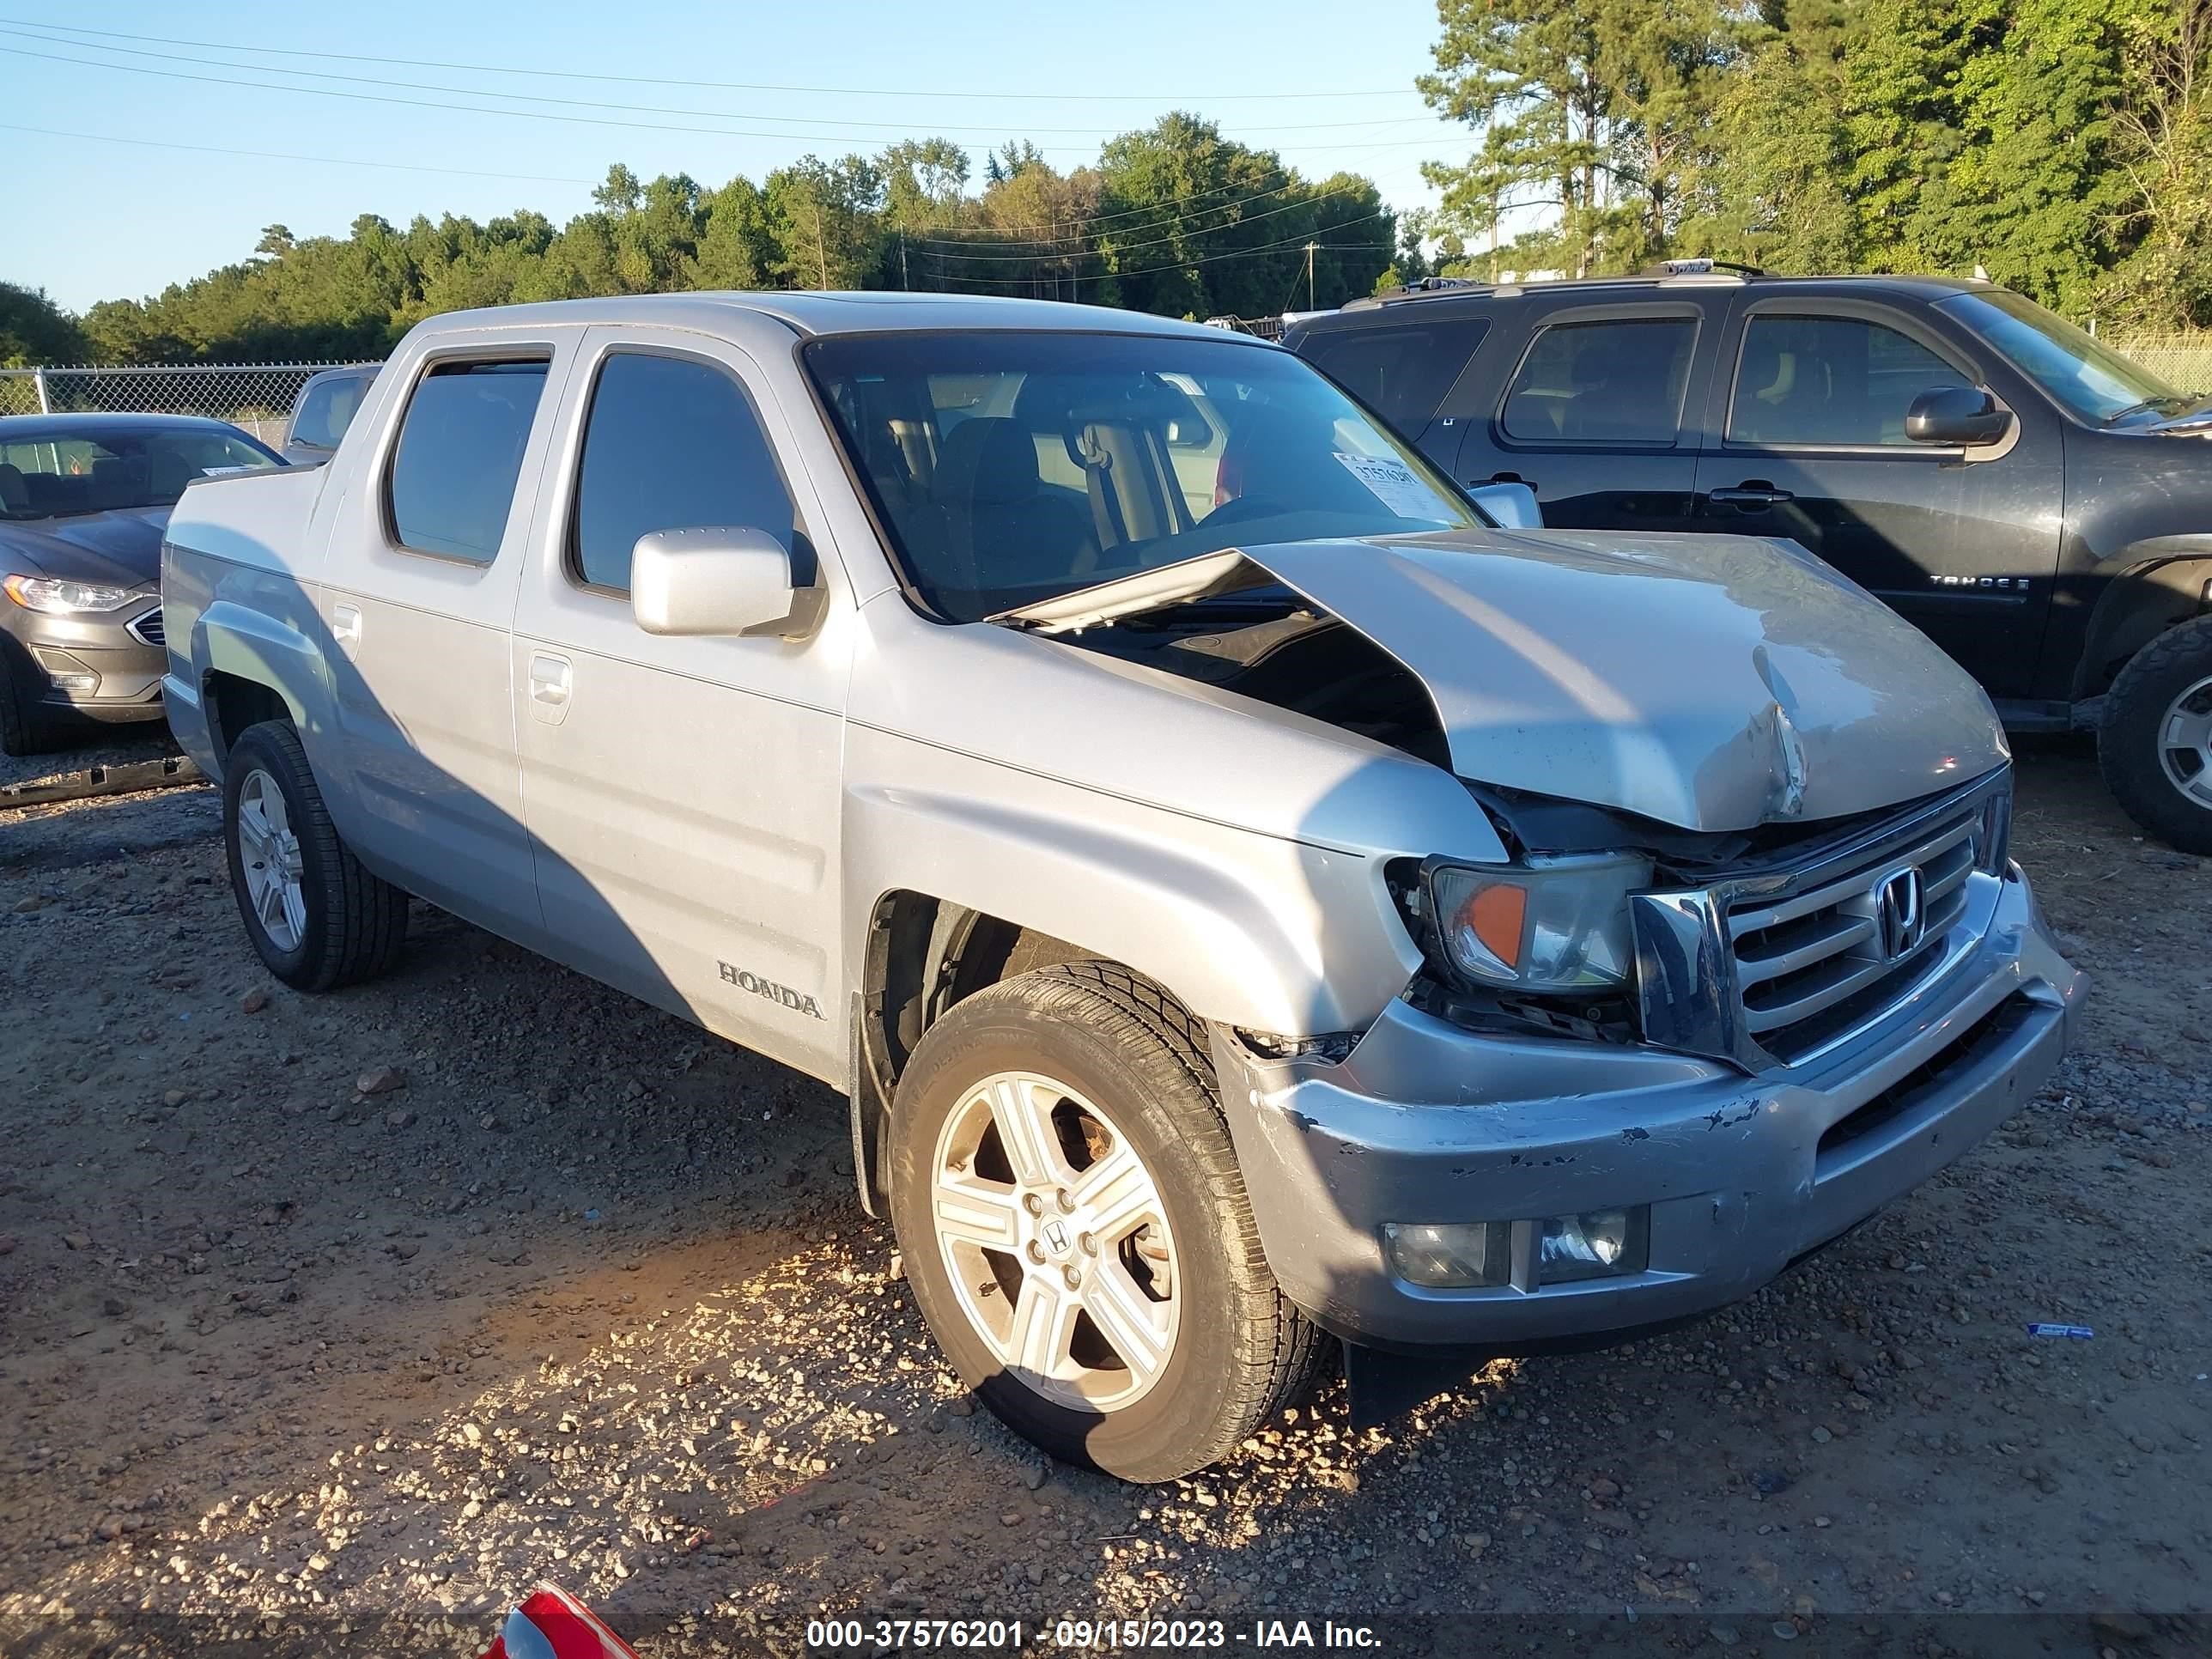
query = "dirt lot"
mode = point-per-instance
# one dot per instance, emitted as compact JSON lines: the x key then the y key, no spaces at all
{"x":575,"y":1292}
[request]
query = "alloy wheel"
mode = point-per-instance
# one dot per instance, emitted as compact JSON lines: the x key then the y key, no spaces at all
{"x":1056,"y":1240}
{"x":2184,"y":743}
{"x":269,"y":852}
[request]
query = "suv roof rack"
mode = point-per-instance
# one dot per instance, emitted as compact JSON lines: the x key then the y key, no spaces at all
{"x":1699,"y":267}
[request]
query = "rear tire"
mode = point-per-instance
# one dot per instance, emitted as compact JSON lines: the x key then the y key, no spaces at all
{"x":1168,"y":1342}
{"x":2155,"y":741}
{"x":315,"y":914}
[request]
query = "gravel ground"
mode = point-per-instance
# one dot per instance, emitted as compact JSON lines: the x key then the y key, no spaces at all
{"x":320,"y":1312}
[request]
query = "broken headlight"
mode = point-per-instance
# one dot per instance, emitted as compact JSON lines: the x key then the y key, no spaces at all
{"x":1546,"y":924}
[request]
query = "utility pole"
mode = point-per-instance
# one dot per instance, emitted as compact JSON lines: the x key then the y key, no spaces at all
{"x":1309,"y":278}
{"x":821,"y":249}
{"x":903,"y":283}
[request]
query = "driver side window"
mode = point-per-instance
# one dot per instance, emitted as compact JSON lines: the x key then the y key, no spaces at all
{"x":669,"y":444}
{"x":1843,"y":381}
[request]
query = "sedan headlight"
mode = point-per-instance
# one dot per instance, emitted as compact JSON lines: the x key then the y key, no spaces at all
{"x":1541,"y":925}
{"x":59,"y":598}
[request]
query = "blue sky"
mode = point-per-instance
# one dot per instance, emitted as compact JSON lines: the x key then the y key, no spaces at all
{"x":90,"y":220}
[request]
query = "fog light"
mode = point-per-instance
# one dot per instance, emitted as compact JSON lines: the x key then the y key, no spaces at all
{"x":66,"y":672}
{"x":1596,"y":1244}
{"x":1449,"y":1255}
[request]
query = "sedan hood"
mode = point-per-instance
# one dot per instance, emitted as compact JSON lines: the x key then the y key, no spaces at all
{"x":122,"y":548}
{"x":1715,"y":683}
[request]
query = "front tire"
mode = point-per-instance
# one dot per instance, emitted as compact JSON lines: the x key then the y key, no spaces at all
{"x":1076,"y":1228}
{"x":23,"y":730}
{"x":2155,"y":742}
{"x":315,"y":914}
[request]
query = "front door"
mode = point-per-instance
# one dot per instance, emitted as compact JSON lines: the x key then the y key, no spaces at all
{"x":1813,"y":447}
{"x":683,"y":794}
{"x":416,"y":617}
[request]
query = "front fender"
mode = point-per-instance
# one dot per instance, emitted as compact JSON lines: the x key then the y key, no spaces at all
{"x":2154,"y":584}
{"x":1251,"y":930}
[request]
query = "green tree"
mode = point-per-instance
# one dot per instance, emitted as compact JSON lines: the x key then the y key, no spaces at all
{"x":823,"y":218}
{"x":34,"y":330}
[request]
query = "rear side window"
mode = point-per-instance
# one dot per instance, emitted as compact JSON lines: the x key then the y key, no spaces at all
{"x":326,"y":408}
{"x":1841,"y":380}
{"x":1403,"y":373}
{"x":459,"y":454}
{"x":669,"y":445}
{"x":1603,"y":382}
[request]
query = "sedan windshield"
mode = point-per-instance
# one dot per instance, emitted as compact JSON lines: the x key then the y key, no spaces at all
{"x":1012,"y":467}
{"x":2094,"y":382}
{"x":63,"y":471}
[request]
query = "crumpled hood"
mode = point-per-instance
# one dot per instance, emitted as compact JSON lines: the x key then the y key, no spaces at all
{"x":121,"y":548}
{"x":1715,"y":682}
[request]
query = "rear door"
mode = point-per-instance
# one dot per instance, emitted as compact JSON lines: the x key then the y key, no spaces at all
{"x":1809,"y":413}
{"x":683,"y":794}
{"x":1599,"y":415}
{"x":419,"y":596}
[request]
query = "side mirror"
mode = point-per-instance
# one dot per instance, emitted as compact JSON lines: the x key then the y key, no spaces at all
{"x":721,"y":579}
{"x":1965,"y":414}
{"x":1513,"y":505}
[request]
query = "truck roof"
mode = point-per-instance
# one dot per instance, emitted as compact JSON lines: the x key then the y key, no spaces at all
{"x":1442,"y":291}
{"x":830,"y":312}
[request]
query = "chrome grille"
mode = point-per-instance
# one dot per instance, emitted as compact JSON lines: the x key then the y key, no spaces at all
{"x":147,"y":628}
{"x":1772,"y":964}
{"x":1814,"y":960}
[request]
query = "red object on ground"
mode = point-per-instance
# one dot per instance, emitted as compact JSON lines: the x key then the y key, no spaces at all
{"x":551,"y":1624}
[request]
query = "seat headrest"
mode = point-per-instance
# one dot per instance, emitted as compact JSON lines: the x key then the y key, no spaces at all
{"x":15,"y":494}
{"x":989,"y":461}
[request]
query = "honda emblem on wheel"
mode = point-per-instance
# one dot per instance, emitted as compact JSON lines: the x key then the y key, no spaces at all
{"x":1901,"y":912}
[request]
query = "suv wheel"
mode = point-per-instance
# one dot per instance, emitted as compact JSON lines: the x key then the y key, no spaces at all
{"x":1076,"y":1228}
{"x":23,"y":730}
{"x":316,"y":917}
{"x":2155,"y":744}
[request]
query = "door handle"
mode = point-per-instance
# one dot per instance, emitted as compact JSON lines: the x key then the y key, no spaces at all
{"x":1750,"y":495}
{"x":551,"y":679}
{"x":345,"y":626}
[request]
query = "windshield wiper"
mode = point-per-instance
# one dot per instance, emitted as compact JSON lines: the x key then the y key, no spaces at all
{"x":2157,"y":402}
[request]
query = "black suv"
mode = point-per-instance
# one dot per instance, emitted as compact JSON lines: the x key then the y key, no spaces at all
{"x":2041,"y":507}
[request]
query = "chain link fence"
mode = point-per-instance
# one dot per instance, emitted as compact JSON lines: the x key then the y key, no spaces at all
{"x":256,"y":396}
{"x":2182,"y":361}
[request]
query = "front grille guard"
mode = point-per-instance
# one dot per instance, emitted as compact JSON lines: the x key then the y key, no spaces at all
{"x":1689,"y":993}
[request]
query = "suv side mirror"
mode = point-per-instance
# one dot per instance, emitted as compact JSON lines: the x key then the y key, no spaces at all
{"x":1513,"y":505}
{"x":721,"y":579}
{"x":1966,"y":415}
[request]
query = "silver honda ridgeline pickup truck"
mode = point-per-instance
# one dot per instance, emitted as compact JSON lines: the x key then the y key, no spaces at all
{"x":1250,"y":897}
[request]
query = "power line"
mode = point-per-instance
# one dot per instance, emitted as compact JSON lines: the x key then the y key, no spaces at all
{"x":877,"y":133}
{"x":1177,"y":265}
{"x":424,"y":103}
{"x":286,"y":155}
{"x":1160,"y":241}
{"x":532,"y":114}
{"x":716,"y":85}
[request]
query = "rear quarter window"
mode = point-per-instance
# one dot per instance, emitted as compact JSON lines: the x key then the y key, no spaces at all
{"x":1401,"y":373}
{"x":453,"y":473}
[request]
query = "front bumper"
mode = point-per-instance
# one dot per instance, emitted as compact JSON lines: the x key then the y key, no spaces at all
{"x":107,"y":666}
{"x":1426,"y":1123}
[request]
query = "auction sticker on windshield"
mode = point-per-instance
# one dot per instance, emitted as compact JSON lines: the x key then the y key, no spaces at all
{"x":1392,"y":483}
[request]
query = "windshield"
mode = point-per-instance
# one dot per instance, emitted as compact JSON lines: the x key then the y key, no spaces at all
{"x":1012,"y":467}
{"x":2095,"y":383}
{"x":64,"y":471}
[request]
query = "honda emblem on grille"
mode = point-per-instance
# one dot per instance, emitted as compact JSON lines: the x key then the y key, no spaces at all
{"x":1901,"y":912}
